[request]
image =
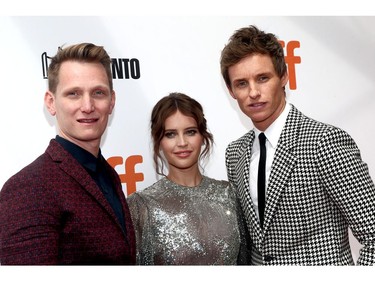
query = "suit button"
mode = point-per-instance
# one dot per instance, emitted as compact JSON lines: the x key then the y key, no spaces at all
{"x":268,"y":258}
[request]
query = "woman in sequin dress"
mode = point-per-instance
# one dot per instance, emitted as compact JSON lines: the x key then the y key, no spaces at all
{"x":186,"y":218}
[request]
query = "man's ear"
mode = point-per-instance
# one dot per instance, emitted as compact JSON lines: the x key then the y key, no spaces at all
{"x":49,"y":102}
{"x":231,"y":92}
{"x":113,"y":101}
{"x":285,"y":79}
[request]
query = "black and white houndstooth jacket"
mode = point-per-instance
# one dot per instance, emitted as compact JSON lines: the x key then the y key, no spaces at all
{"x":318,"y":187}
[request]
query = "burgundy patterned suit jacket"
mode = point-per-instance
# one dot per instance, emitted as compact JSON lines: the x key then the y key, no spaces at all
{"x":52,"y":212}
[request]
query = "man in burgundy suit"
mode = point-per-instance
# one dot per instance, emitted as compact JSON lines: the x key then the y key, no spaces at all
{"x":68,"y":207}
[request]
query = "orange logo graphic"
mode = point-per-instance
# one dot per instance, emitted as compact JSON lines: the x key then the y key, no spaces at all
{"x":130,"y":177}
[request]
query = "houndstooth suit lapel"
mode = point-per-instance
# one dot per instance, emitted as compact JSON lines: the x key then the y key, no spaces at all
{"x":243,"y":168}
{"x":282,"y":165}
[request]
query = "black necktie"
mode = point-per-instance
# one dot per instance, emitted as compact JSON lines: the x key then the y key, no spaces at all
{"x":262,"y":177}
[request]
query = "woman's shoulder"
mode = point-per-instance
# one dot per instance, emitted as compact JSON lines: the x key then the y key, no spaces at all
{"x":217,"y":183}
{"x":150,"y":190}
{"x":215,"y":180}
{"x":220,"y":190}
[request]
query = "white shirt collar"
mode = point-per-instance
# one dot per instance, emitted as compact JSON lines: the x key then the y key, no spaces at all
{"x":273,"y":132}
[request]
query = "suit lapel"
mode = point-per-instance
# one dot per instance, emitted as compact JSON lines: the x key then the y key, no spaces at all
{"x":71,"y":167}
{"x":243,"y":168}
{"x":282,"y":165}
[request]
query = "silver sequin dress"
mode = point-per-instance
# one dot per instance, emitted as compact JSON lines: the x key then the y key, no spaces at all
{"x":179,"y":225}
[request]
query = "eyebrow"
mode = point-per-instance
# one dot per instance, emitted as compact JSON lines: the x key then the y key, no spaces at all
{"x":188,"y":128}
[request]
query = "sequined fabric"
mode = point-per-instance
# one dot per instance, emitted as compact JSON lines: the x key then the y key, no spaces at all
{"x":178,"y":225}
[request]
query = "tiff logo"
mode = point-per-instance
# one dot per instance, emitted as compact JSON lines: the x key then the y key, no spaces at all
{"x":130,"y":177}
{"x":291,"y":60}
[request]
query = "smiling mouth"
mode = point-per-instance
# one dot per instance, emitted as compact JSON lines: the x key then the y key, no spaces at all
{"x":87,"y":121}
{"x":183,"y":153}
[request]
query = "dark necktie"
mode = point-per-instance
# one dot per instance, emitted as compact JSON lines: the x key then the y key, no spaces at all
{"x":262,"y":177}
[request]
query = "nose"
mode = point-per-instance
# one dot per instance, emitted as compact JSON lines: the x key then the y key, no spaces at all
{"x":181,"y":140}
{"x":254,"y":92}
{"x":87,"y":104}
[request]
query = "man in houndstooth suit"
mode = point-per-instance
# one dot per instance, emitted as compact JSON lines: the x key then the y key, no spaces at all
{"x":317,"y":186}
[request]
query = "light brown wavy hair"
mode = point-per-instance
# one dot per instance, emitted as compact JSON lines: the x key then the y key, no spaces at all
{"x":85,"y":52}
